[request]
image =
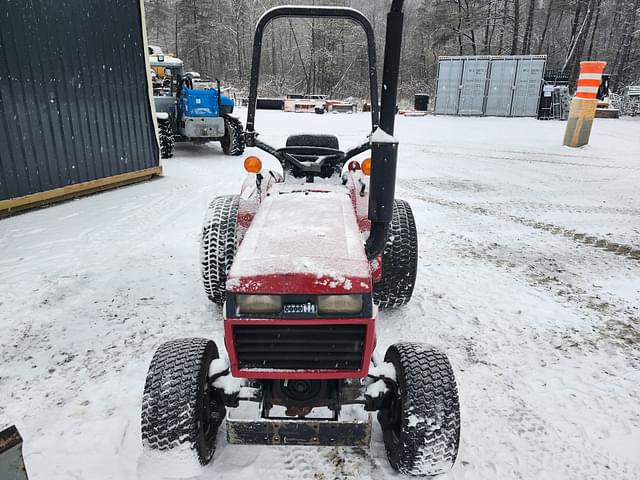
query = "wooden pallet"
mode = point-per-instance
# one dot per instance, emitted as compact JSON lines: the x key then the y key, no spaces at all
{"x":607,"y":113}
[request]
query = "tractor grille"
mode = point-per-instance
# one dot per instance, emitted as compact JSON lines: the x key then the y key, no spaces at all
{"x":298,"y":347}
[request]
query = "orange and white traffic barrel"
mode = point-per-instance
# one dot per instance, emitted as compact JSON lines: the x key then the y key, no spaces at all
{"x":584,"y":104}
{"x":590,"y":79}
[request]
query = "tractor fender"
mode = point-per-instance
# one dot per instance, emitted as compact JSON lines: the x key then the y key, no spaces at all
{"x":357,"y":184}
{"x":251,"y":197}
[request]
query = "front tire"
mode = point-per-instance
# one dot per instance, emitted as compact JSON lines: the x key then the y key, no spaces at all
{"x":421,"y":426}
{"x":178,"y":407}
{"x":233,"y":141}
{"x":218,"y":245}
{"x":399,"y":259}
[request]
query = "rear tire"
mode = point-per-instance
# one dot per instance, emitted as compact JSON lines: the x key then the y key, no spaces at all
{"x":399,"y":259}
{"x":167,"y":138}
{"x":178,"y":407}
{"x":218,"y":245}
{"x":233,"y":141}
{"x":421,"y":429}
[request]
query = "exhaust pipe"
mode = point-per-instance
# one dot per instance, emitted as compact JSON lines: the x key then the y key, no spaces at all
{"x":384,"y":148}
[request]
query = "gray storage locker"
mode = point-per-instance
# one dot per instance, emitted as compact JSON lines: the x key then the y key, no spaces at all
{"x":474,"y":82}
{"x":500,"y":91}
{"x":489,"y":85}
{"x":528,"y":86}
{"x":448,"y":87}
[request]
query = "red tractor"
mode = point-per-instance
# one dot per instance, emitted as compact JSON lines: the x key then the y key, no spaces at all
{"x":300,"y":269}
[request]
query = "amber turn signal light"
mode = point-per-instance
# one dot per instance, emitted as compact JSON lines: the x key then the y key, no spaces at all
{"x":366,"y":167}
{"x":253,"y":164}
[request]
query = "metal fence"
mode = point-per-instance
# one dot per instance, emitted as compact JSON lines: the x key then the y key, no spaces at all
{"x":489,"y":85}
{"x":555,"y":101}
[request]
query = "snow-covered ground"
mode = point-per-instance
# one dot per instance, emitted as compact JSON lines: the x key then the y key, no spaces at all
{"x":518,"y":283}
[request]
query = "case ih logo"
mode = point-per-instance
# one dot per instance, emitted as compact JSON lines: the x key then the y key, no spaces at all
{"x":300,"y":308}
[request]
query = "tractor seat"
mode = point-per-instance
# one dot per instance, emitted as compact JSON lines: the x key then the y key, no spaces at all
{"x":312,"y":140}
{"x":311,"y":148}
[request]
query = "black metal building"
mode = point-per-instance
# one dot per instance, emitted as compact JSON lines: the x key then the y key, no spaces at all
{"x":75,"y":112}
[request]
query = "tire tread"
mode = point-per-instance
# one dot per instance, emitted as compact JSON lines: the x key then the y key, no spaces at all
{"x":233,"y":142}
{"x":218,"y":245}
{"x":399,"y":259}
{"x":430,"y":437}
{"x":169,"y":410}
{"x":167,"y":139}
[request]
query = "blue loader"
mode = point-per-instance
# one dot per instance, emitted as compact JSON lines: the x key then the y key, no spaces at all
{"x":190,"y":109}
{"x":205,"y":115}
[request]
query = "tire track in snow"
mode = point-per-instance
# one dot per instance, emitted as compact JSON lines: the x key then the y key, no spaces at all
{"x":621,"y":249}
{"x":529,"y":158}
{"x":332,"y":463}
{"x":295,"y":463}
{"x":149,"y":206}
{"x":567,"y":208}
{"x":617,"y":320}
{"x":517,"y":369}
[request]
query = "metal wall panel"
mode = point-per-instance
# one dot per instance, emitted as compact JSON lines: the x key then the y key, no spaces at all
{"x":74,"y":102}
{"x":500,"y":91}
{"x":526,"y":96}
{"x":474,"y":84}
{"x":448,"y":89}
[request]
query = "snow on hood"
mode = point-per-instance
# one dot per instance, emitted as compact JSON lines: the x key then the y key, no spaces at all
{"x":302,"y":239}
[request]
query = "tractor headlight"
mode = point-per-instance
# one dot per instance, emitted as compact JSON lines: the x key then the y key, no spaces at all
{"x":258,"y":303}
{"x":340,"y":304}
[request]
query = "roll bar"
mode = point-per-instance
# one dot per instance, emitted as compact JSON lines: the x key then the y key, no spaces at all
{"x":309,"y":12}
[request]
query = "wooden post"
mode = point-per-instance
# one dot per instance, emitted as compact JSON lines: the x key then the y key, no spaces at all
{"x":580,"y":121}
{"x":583,"y":106}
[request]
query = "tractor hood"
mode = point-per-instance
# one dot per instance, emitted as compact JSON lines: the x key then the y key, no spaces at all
{"x":303,"y":240}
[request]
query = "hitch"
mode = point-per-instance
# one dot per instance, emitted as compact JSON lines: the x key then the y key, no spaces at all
{"x":339,"y":428}
{"x":284,"y":431}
